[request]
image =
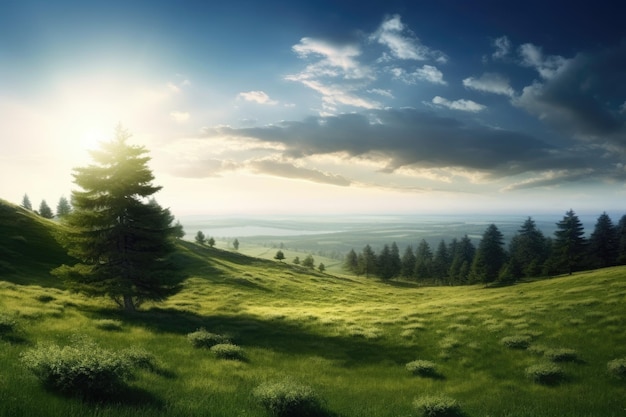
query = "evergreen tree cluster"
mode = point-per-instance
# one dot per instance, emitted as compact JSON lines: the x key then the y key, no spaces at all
{"x":529,"y":254}
{"x":63,"y":207}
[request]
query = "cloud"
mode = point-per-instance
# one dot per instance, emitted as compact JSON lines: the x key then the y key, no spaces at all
{"x":426,"y":73}
{"x":584,"y":97}
{"x":389,"y":94}
{"x":179,"y":116}
{"x":259,"y":97}
{"x":413,"y":139}
{"x":289,"y":170}
{"x":463,"y":105}
{"x":336,"y":60}
{"x":502,"y":47}
{"x":547,"y":66}
{"x":490,"y":83}
{"x":402,"y":42}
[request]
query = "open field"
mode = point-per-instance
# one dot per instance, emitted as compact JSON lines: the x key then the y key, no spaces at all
{"x":348,"y":338}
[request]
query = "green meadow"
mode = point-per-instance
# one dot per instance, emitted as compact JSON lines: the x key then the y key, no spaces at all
{"x":349,"y":339}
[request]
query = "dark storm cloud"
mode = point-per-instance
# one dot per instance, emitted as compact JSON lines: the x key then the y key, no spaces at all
{"x":412,"y":138}
{"x":586,"y":97}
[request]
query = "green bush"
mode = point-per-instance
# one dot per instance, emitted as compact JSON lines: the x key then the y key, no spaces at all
{"x":204,"y":339}
{"x":516,"y":342}
{"x":109,"y":324}
{"x":545,"y":373}
{"x":140,"y":358}
{"x":617,"y":368}
{"x":82,"y":368}
{"x":228,"y":351}
{"x":422,"y":367}
{"x":8,"y":324}
{"x":437,"y":406}
{"x":561,"y":355}
{"x":288,"y":399}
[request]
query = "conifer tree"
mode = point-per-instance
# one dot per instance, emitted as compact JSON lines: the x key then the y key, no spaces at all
{"x":45,"y":211}
{"x":352,"y":261}
{"x":490,"y":256}
{"x":63,"y":207}
{"x":26,"y":203}
{"x":441,"y":262}
{"x":569,"y":243}
{"x":604,"y":243}
{"x":279,"y":255}
{"x":528,"y":251}
{"x":423,"y":261}
{"x":367,"y":261}
{"x":200,"y":238}
{"x":621,"y":236}
{"x":464,"y":253}
{"x":119,"y":234}
{"x":211,"y":242}
{"x":408,"y":263}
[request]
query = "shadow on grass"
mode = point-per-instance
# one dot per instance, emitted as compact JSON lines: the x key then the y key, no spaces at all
{"x":273,"y":334}
{"x":128,"y":396}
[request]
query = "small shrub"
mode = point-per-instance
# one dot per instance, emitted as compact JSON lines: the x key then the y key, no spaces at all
{"x":288,"y":399}
{"x":617,"y":368}
{"x":140,"y":358}
{"x":8,"y":324}
{"x":204,"y":339}
{"x":45,"y":298}
{"x":561,"y":355}
{"x":516,"y":342}
{"x":422,"y":367}
{"x":228,"y":351}
{"x":109,"y":324}
{"x":546,"y":373}
{"x":437,"y":406}
{"x":82,"y":368}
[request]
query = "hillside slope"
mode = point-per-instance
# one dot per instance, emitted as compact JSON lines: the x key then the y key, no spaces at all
{"x":348,"y":338}
{"x":28,"y":248}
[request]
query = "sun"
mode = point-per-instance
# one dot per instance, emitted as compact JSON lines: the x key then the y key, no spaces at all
{"x":92,"y":138}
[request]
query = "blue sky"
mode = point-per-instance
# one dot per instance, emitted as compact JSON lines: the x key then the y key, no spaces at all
{"x":323,"y":107}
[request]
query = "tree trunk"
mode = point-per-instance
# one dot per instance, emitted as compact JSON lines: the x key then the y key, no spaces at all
{"x":129,"y":304}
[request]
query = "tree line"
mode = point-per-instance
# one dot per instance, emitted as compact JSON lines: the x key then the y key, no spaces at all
{"x":529,"y":254}
{"x":63,"y":207}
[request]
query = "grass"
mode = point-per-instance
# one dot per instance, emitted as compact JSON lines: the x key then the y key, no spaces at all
{"x":347,"y":339}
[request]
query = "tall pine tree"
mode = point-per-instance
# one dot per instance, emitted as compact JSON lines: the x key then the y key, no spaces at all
{"x":119,"y":234}
{"x":603,"y":243}
{"x":569,"y":243}
{"x":490,"y":256}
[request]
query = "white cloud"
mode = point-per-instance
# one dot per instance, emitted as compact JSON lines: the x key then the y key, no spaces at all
{"x":381,"y":92}
{"x":462,"y":105}
{"x":179,"y":117}
{"x":427,"y":73}
{"x":490,"y":83}
{"x":259,"y":97}
{"x":546,"y":66}
{"x":337,"y":60}
{"x":403,"y":43}
{"x":502,"y":46}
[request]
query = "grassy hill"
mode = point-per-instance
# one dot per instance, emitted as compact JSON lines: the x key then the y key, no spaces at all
{"x":347,"y":338}
{"x":28,"y":248}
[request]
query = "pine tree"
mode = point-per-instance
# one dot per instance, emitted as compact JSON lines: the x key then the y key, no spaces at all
{"x":367,"y":261}
{"x":423,"y":261}
{"x":408,"y":263}
{"x":385,"y":267}
{"x":621,"y":235}
{"x":528,"y":251}
{"x":604,"y":243}
{"x":569,"y":243}
{"x":200,"y":238}
{"x":279,"y":255}
{"x":63,"y":207}
{"x":352,"y":262}
{"x":309,"y":262}
{"x":45,"y":211}
{"x":119,"y":234}
{"x":441,"y":262}
{"x":26,"y":203}
{"x":395,"y":261}
{"x":236,"y":244}
{"x":211,"y":242}
{"x":490,"y":256}
{"x":464,"y":253}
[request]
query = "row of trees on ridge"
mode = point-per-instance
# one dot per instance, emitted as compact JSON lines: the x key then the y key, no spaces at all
{"x":63,"y":207}
{"x":529,"y":254}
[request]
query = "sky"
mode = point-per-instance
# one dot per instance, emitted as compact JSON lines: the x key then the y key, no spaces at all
{"x":323,"y":107}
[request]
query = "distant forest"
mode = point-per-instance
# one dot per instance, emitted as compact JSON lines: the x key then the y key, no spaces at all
{"x":529,"y":254}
